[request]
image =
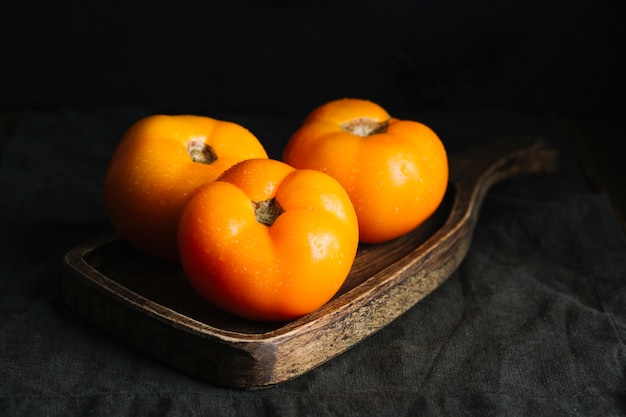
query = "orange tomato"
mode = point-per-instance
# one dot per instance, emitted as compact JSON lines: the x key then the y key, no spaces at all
{"x":395,"y":171}
{"x":158,"y":163}
{"x":268,"y":242}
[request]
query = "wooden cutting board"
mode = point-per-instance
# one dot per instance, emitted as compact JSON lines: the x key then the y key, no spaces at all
{"x":150,"y":306}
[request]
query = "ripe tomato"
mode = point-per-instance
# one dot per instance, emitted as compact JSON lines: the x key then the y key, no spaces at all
{"x":395,"y":171}
{"x":159,"y":161}
{"x":268,"y":242}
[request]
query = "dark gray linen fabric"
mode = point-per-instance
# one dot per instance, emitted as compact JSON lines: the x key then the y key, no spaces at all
{"x":533,"y":322}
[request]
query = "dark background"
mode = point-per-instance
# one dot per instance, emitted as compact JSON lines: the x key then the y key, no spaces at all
{"x":549,"y":57}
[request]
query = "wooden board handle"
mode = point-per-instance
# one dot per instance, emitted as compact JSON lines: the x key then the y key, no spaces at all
{"x":476,"y":170}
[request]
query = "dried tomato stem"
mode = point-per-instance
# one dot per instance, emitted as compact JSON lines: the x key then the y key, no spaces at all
{"x":365,"y":126}
{"x":267,"y":211}
{"x":200,"y":152}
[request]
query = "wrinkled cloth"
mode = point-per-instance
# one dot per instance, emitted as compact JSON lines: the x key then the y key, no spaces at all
{"x":532,"y":323}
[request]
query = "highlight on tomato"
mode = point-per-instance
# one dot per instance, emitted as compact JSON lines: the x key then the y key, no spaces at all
{"x":268,"y":242}
{"x":395,"y":171}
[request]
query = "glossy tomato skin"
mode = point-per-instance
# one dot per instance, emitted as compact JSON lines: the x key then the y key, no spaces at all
{"x":395,"y":171}
{"x":264,"y":272}
{"x":152,"y":172}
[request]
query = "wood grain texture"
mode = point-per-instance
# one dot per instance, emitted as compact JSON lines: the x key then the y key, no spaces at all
{"x":150,"y":306}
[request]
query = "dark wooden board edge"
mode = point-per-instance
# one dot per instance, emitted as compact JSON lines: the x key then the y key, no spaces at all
{"x":251,"y":361}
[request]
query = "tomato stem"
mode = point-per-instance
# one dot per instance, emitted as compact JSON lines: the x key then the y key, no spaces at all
{"x":267,"y":211}
{"x":200,"y":151}
{"x":365,"y":126}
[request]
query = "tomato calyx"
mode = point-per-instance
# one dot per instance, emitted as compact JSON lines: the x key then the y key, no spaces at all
{"x":365,"y":126}
{"x":267,"y":211}
{"x":200,"y":152}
